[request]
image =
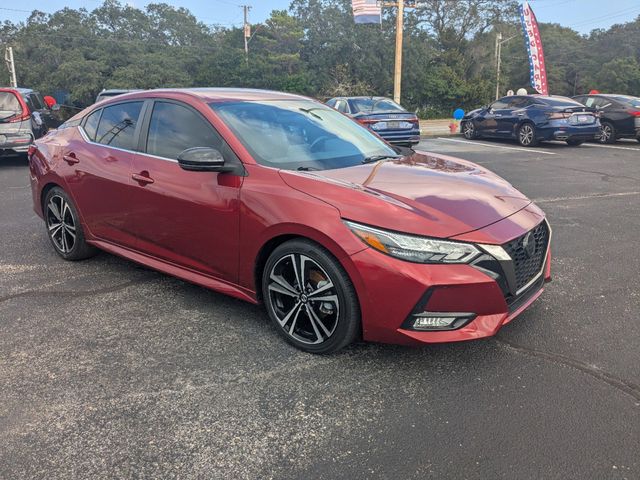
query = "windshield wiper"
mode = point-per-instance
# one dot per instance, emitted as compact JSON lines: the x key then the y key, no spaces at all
{"x":377,"y":158}
{"x":306,"y":169}
{"x":310,"y":112}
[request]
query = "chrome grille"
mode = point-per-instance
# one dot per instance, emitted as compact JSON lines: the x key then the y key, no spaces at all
{"x":528,"y":266}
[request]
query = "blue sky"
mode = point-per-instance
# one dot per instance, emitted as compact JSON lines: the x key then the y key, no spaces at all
{"x":582,"y":15}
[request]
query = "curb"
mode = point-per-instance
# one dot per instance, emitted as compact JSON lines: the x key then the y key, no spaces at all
{"x":436,"y":135}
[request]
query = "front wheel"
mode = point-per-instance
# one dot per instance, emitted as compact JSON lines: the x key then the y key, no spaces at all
{"x":575,"y":143}
{"x":469,"y":130}
{"x":63,"y":226}
{"x":607,"y":133}
{"x":310,"y":298}
{"x":527,"y":135}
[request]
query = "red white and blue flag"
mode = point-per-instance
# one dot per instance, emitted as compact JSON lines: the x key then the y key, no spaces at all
{"x":534,"y":48}
{"x":366,"y":11}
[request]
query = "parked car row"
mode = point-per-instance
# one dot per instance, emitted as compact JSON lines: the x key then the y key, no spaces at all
{"x":531,"y":119}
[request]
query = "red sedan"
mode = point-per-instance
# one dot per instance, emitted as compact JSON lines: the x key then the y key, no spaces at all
{"x":278,"y":199}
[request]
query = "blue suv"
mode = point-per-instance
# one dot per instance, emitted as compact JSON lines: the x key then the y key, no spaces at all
{"x":531,"y":119}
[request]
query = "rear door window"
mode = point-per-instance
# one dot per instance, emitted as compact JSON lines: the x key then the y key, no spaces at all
{"x":117,"y":125}
{"x":341,"y":106}
{"x":501,"y":104}
{"x":91,"y":124}
{"x":9,"y":105}
{"x":37,"y":103}
{"x":174,"y":128}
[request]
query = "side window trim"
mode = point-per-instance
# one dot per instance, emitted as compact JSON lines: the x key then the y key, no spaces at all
{"x":144,"y":135}
{"x":136,"y":133}
{"x":84,"y":122}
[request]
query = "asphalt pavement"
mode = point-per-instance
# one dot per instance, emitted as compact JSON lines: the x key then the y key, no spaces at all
{"x":111,"y":370}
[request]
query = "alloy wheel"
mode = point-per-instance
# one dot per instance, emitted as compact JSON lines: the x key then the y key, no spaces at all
{"x":468,"y":130}
{"x":61,"y":224}
{"x":605,"y":133}
{"x":303,"y":298}
{"x":526,"y":134}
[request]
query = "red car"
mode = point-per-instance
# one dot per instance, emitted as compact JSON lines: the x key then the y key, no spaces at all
{"x":278,"y":199}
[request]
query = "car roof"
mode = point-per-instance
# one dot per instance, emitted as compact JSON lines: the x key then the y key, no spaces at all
{"x":215,"y":94}
{"x":606,"y":95}
{"x":118,"y":90}
{"x":19,"y":90}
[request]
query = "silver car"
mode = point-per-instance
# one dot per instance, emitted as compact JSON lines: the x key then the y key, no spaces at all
{"x":24,"y":116}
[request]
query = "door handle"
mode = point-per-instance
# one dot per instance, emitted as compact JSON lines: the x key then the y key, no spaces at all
{"x":498,"y":115}
{"x":142,"y":178}
{"x":71,"y":158}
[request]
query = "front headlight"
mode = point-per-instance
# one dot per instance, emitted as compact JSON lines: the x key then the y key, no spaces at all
{"x":413,"y":248}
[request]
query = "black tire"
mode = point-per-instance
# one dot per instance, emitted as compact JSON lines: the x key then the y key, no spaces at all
{"x":313,"y":326}
{"x":607,"y":133}
{"x":574,"y":143}
{"x":527,"y":136}
{"x":63,"y":226}
{"x":469,"y":130}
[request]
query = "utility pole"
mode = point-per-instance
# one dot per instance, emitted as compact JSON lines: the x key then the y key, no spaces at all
{"x":498,"y":61}
{"x":397,"y":69}
{"x":11,"y":66}
{"x":246,"y":30}
{"x":499,"y":42}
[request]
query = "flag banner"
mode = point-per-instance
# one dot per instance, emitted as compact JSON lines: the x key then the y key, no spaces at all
{"x":366,"y":11}
{"x":534,"y":49}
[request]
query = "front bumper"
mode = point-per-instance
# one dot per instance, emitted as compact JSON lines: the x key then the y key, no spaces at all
{"x":393,"y":289}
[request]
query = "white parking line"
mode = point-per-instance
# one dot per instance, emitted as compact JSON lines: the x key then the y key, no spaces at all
{"x":585,"y":197}
{"x":610,"y":146}
{"x":491,"y":145}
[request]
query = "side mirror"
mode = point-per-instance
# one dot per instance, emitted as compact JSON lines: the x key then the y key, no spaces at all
{"x":203,"y":159}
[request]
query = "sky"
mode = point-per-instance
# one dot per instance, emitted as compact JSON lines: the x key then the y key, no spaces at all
{"x":581,"y":15}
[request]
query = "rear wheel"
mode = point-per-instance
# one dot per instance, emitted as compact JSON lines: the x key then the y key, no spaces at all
{"x":310,"y":298}
{"x":575,"y":143}
{"x":469,"y":130}
{"x":607,"y":133}
{"x":527,"y":135}
{"x":63,"y":226}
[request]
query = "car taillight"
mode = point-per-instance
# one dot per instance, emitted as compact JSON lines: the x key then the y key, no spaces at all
{"x":20,"y":117}
{"x":32,"y":150}
{"x":556,"y":115}
{"x":635,"y":113}
{"x":365,"y":121}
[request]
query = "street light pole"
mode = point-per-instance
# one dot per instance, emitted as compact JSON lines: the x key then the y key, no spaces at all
{"x":499,"y":42}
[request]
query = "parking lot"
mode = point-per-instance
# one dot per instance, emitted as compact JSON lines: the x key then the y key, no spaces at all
{"x":108,"y":369}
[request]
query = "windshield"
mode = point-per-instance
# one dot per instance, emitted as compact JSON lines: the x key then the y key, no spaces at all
{"x":375,"y":104}
{"x":633,"y":101}
{"x":9,"y":104}
{"x":300,"y":134}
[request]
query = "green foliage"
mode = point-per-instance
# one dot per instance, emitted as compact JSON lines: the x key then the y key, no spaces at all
{"x":316,"y":49}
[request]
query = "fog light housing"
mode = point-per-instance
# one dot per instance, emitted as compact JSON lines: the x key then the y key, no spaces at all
{"x":430,"y":322}
{"x":434,"y":321}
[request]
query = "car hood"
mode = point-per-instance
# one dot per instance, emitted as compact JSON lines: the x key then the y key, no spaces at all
{"x":424,"y":194}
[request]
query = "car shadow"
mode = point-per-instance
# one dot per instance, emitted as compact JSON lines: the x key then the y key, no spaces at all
{"x":14,"y":160}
